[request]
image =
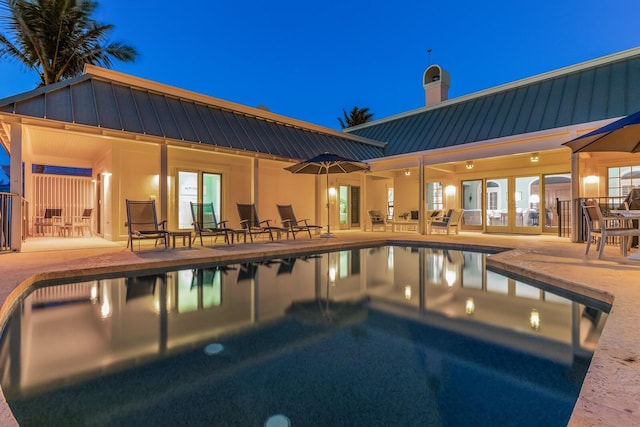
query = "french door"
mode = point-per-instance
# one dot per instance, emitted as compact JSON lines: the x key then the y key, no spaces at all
{"x":349,"y":205}
{"x":197,"y":187}
{"x":513,"y":204}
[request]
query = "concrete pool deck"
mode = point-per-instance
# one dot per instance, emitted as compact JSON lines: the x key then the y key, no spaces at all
{"x":610,"y":395}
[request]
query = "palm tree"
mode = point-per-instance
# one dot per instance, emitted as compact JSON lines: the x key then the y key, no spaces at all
{"x":357,"y":116}
{"x":56,"y":38}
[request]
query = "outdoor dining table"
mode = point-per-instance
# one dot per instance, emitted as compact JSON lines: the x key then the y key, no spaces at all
{"x":629,"y":214}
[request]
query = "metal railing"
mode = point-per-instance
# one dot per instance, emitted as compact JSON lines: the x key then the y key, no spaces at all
{"x":6,"y":234}
{"x":565,"y":221}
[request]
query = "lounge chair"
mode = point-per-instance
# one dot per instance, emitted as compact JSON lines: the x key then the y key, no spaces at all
{"x":286,"y":266}
{"x":247,"y":272}
{"x":451,"y":221}
{"x":205,"y":223}
{"x":377,"y":219}
{"x":600,"y":228}
{"x":142,"y":223}
{"x":252,"y":225}
{"x":289,"y":221}
{"x":142,"y":286}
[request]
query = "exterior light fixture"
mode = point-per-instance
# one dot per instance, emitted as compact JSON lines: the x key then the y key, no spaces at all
{"x":407,"y":172}
{"x":450,"y":276}
{"x":450,"y":190}
{"x":534,"y":320}
{"x":469,"y":164}
{"x":332,"y":191}
{"x":534,"y":157}
{"x":332,"y":275}
{"x":469,"y":306}
{"x":591,"y":179}
{"x":407,"y":292}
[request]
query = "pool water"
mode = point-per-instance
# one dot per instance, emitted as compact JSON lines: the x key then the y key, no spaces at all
{"x":339,"y":339}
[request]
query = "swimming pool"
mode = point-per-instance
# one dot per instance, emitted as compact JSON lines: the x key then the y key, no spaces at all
{"x":372,"y":336}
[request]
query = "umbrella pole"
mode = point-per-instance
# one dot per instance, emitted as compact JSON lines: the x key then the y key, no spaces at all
{"x":328,"y":234}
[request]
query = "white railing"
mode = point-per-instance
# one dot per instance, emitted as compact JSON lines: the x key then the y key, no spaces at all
{"x":72,"y":194}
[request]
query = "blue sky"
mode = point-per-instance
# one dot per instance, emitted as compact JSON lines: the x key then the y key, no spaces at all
{"x":310,"y":60}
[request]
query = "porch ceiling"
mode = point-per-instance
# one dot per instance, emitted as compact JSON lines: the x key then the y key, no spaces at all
{"x":58,"y":144}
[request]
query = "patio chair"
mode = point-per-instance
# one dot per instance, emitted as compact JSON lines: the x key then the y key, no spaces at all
{"x":142,"y":223}
{"x":601,"y":227}
{"x":377,"y":219}
{"x":51,"y":215}
{"x":142,"y":286}
{"x":83,"y":222}
{"x":289,"y":221}
{"x":253,"y":226}
{"x":205,"y":223}
{"x":451,"y":221}
{"x":286,"y":266}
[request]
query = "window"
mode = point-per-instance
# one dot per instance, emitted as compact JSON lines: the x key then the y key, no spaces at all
{"x":434,"y":196}
{"x":390,"y":203}
{"x":61,"y":170}
{"x":622,"y":179}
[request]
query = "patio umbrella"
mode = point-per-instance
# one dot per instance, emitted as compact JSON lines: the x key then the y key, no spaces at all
{"x":325,"y":164}
{"x":623,"y":135}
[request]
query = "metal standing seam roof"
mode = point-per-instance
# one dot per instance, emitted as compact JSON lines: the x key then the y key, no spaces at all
{"x":603,"y":90}
{"x":113,"y":104}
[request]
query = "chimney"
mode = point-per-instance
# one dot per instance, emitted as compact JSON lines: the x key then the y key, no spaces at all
{"x":436,"y":85}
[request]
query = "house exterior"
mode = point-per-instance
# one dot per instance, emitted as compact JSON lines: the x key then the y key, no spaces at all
{"x":140,"y":140}
{"x":499,"y":153}
{"x":104,"y":137}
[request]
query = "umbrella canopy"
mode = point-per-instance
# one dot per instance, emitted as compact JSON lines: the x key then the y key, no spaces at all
{"x":623,"y":135}
{"x":326,"y":312}
{"x":328,"y":163}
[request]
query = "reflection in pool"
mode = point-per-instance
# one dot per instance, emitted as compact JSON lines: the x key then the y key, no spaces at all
{"x":376,"y":336}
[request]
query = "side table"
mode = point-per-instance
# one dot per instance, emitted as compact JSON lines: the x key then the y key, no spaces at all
{"x":186,"y":237}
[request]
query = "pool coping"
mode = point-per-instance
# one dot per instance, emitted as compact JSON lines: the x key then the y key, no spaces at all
{"x":610,"y":394}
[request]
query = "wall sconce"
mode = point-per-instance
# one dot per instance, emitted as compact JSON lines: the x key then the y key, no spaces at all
{"x":332,"y":276}
{"x":591,"y":179}
{"x":407,"y":172}
{"x":469,"y":164}
{"x":94,"y":293}
{"x":106,"y":174}
{"x":469,"y":306}
{"x":534,"y":157}
{"x":450,"y":276}
{"x":105,"y":307}
{"x":534,"y":319}
{"x":450,"y":190}
{"x":332,"y":191}
{"x":407,"y":292}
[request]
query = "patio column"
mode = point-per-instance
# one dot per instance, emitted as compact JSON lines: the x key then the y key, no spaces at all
{"x":255,"y":169}
{"x":576,"y":227}
{"x":422,"y":202}
{"x":162,"y":185}
{"x":15,"y":186}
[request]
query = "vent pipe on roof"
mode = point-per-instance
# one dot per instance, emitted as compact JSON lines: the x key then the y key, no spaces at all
{"x":436,"y":83}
